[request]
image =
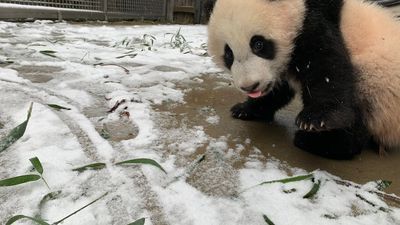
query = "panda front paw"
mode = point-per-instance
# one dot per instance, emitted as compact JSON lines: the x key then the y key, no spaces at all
{"x":242,"y":111}
{"x":311,"y":120}
{"x":245,"y":111}
{"x":317,"y":119}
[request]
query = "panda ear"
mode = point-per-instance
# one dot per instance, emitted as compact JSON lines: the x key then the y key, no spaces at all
{"x":208,"y":6}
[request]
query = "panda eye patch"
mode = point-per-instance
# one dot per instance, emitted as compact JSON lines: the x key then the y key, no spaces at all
{"x":228,"y":56}
{"x":264,"y":48}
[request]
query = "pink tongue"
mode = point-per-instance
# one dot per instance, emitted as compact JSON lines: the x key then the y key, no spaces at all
{"x":255,"y":94}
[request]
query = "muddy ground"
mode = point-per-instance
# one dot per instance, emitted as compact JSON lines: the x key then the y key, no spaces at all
{"x":275,"y":139}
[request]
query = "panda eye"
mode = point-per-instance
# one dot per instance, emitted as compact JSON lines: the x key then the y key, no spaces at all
{"x":258,"y":46}
{"x":228,"y":56}
{"x":264,"y":48}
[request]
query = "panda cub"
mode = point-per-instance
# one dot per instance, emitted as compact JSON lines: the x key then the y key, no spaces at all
{"x":342,"y":56}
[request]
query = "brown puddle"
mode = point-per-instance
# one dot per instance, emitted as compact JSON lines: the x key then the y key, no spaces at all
{"x":275,"y":139}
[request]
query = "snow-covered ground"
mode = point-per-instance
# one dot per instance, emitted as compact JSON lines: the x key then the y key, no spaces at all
{"x":90,"y":68}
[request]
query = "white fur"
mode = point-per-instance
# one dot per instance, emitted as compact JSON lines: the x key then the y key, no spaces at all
{"x":372,"y":35}
{"x":234,"y":22}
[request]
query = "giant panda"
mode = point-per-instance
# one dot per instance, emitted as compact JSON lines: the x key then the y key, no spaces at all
{"x":342,"y":56}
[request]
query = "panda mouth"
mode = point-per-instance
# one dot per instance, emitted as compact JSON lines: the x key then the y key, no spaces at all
{"x":258,"y":94}
{"x":255,"y":94}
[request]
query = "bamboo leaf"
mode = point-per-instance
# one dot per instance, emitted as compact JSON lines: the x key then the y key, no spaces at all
{"x":39,"y":168}
{"x":313,"y":190}
{"x":58,"y":107}
{"x":50,"y":196}
{"x":94,"y":166}
{"x":105,"y":134}
{"x":15,"y":133}
{"x":37,"y":164}
{"x":267,"y":220}
{"x":18,"y":217}
{"x":138,"y":222}
{"x":284,"y":181}
{"x":49,"y":53}
{"x":289,"y":180}
{"x":19,"y":180}
{"x":80,"y":209}
{"x":142,"y":161}
{"x":383,"y":184}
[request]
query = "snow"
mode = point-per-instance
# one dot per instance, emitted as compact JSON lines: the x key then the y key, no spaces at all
{"x":10,"y":75}
{"x":193,"y":192}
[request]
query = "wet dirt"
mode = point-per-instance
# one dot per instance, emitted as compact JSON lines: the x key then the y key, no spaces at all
{"x":118,"y":130}
{"x":273,"y":139}
{"x":37,"y":74}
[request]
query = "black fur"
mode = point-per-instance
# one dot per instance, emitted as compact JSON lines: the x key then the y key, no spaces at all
{"x":264,"y":108}
{"x":262,"y":47}
{"x":322,"y":64}
{"x":228,"y":56}
{"x":342,"y":143}
{"x":208,"y":6}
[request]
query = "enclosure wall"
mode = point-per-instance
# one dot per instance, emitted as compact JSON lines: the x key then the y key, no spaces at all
{"x":83,"y":9}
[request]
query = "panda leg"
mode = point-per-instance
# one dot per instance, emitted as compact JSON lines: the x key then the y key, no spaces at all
{"x":322,"y":63}
{"x":264,"y":108}
{"x":335,"y":144}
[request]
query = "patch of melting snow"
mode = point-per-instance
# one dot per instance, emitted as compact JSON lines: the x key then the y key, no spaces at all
{"x":211,"y":189}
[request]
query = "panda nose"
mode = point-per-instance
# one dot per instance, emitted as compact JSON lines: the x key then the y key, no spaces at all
{"x":251,"y":88}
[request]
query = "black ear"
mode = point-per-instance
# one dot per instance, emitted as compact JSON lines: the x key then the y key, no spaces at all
{"x":208,"y":6}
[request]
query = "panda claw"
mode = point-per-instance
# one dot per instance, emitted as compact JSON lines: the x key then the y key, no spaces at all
{"x":311,"y":127}
{"x":305,"y":126}
{"x":322,"y":124}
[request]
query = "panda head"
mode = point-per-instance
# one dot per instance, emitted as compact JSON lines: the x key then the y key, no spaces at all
{"x":253,"y":39}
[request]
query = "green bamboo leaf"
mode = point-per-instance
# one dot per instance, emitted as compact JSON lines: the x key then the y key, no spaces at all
{"x":138,"y":222}
{"x":289,"y":180}
{"x":80,"y":209}
{"x":37,"y":164}
{"x":58,"y":107}
{"x":105,"y":134}
{"x":142,"y":161}
{"x":49,"y":53}
{"x":18,"y":217}
{"x":15,"y":133}
{"x":94,"y":166}
{"x":19,"y":180}
{"x":50,"y":196}
{"x":313,"y":190}
{"x":284,"y":181}
{"x":383,"y":184}
{"x":267,"y":220}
